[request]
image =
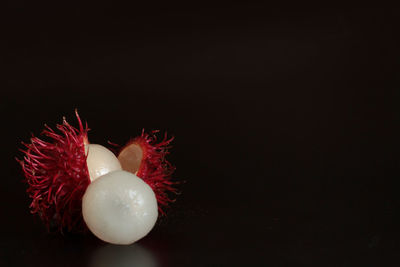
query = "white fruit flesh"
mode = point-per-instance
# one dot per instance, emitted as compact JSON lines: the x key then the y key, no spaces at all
{"x":119,"y":208}
{"x":100,"y":161}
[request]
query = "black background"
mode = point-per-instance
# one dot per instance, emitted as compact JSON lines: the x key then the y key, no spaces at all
{"x":286,"y":127}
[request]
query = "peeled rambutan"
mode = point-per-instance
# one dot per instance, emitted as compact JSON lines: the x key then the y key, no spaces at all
{"x":146,"y":158}
{"x":57,"y":176}
{"x":59,"y":169}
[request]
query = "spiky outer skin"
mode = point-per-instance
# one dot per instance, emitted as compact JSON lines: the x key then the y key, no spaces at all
{"x":57,"y":176}
{"x":154,"y":168}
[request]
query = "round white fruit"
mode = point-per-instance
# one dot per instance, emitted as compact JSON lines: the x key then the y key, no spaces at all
{"x":119,"y":208}
{"x":100,"y":161}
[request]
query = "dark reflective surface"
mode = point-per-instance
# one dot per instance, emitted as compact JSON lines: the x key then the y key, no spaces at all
{"x":286,"y":125}
{"x":121,"y":256}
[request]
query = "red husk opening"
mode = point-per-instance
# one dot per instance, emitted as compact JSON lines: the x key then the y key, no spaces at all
{"x":57,"y":176}
{"x":154,"y":168}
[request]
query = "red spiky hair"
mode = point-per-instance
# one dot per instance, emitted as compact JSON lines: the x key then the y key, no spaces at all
{"x":57,"y":176}
{"x":151,"y":164}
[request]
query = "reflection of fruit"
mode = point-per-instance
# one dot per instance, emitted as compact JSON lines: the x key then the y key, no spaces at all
{"x":119,"y":208}
{"x":123,"y":256}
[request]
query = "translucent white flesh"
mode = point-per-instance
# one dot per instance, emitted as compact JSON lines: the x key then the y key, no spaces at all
{"x":100,"y":161}
{"x":119,"y":208}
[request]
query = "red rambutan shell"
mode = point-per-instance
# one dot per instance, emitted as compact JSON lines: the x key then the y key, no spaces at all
{"x":57,"y":176}
{"x":146,"y":158}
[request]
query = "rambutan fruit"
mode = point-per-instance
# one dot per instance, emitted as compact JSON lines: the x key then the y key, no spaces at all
{"x":122,"y":206}
{"x":146,"y":158}
{"x":75,"y":185}
{"x":119,"y":208}
{"x":59,"y":170}
{"x":57,"y":175}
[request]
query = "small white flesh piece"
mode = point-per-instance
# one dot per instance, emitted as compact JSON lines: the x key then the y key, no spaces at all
{"x":100,"y":161}
{"x":119,"y":208}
